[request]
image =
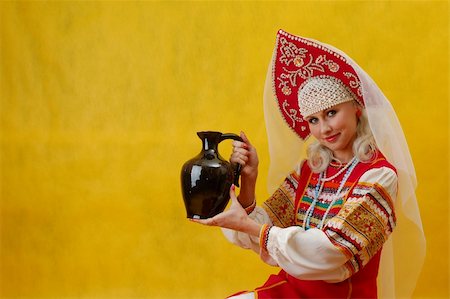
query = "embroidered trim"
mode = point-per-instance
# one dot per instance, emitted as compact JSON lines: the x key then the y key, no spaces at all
{"x":264,"y":236}
{"x":280,"y":206}
{"x":363,"y":225}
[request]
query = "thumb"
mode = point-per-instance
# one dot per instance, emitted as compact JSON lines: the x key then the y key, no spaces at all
{"x":233,"y":194}
{"x":245,"y":139}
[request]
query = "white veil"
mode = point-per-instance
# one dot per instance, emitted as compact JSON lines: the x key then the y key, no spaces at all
{"x":403,"y":254}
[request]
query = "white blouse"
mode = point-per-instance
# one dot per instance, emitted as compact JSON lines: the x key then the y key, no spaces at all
{"x":308,"y":255}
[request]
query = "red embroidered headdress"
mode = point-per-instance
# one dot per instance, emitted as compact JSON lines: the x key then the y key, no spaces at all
{"x":309,"y":77}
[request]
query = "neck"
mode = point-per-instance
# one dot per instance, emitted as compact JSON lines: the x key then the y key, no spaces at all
{"x":345,"y":153}
{"x":343,"y":158}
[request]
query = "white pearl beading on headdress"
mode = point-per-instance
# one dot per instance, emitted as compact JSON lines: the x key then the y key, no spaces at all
{"x":320,"y":93}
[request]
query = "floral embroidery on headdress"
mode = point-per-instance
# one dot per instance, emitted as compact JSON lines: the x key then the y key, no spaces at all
{"x":299,"y":60}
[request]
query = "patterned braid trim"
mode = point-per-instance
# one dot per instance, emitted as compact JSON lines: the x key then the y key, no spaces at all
{"x":264,"y":236}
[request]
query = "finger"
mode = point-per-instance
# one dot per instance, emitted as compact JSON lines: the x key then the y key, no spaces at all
{"x":209,"y":221}
{"x":239,"y":159}
{"x":240,"y":155}
{"x":241,"y":150}
{"x":239,"y":144}
{"x":245,"y":139}
{"x":233,"y":197}
{"x":233,"y":193}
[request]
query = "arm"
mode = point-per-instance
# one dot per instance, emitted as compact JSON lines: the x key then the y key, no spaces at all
{"x":348,"y":240}
{"x":367,"y":219}
{"x":307,"y":255}
{"x":277,"y":210}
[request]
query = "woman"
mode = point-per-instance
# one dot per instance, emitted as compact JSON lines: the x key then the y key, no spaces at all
{"x":329,"y":223}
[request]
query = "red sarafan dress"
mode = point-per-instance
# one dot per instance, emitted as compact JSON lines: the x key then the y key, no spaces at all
{"x":328,"y":251}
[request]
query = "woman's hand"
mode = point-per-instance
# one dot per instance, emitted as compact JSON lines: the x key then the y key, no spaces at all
{"x":234,"y":218}
{"x":245,"y":154}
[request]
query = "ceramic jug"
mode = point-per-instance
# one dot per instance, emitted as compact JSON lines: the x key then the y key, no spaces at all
{"x":206,"y":179}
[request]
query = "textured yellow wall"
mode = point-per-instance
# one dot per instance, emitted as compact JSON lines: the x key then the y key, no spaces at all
{"x":100,"y":102}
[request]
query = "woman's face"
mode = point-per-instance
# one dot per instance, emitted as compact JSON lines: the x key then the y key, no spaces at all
{"x":335,"y":128}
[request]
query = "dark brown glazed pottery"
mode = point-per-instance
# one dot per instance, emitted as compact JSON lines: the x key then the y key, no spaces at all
{"x":206,"y":179}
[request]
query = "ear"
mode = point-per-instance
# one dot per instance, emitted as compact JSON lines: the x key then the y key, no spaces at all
{"x":357,"y":109}
{"x":358,"y":113}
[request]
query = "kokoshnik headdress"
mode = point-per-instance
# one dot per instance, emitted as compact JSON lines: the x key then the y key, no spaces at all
{"x":306,"y":76}
{"x":309,"y":78}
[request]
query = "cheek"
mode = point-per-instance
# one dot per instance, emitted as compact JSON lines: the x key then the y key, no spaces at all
{"x":350,"y":127}
{"x":346,"y":123}
{"x":314,"y":130}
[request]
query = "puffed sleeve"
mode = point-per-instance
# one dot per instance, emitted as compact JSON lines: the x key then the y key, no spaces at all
{"x":244,"y":240}
{"x":367,"y":218}
{"x":348,"y":240}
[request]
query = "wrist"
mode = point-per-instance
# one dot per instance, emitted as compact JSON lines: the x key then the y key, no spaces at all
{"x":249,"y":174}
{"x":251,"y":207}
{"x":247,"y":202}
{"x":247,"y":192}
{"x":252,"y":227}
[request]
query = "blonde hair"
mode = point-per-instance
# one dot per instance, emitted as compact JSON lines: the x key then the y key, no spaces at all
{"x":364,"y":147}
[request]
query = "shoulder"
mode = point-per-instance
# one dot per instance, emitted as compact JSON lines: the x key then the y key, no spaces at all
{"x":302,"y":167}
{"x":300,"y":173}
{"x":379,"y":173}
{"x":379,"y":161}
{"x":378,"y":168}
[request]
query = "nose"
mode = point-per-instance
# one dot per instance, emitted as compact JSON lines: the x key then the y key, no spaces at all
{"x":325,"y":127}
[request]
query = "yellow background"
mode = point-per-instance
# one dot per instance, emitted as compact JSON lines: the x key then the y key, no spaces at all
{"x":100,"y":102}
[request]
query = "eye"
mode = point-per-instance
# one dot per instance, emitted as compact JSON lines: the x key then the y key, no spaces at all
{"x":331,"y":113}
{"x":313,"y":120}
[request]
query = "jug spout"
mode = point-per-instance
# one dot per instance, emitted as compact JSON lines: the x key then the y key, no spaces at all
{"x":210,"y":139}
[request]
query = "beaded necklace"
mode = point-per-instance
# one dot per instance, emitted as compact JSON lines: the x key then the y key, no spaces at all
{"x":318,"y":190}
{"x":340,"y":171}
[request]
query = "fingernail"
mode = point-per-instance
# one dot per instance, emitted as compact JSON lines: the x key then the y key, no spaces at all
{"x":233,"y":187}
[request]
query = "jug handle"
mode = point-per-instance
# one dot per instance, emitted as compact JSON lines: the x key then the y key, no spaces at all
{"x":237,"y":171}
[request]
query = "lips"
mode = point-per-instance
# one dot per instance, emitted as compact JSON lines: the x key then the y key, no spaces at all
{"x":332,"y":138}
